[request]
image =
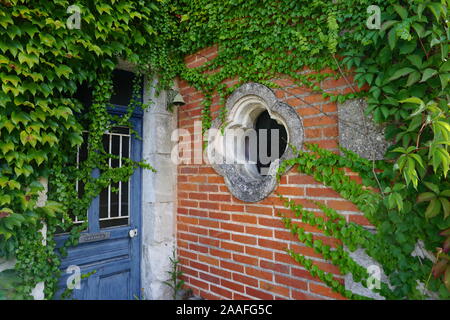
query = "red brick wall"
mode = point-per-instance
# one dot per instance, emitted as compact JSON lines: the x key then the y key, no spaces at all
{"x":230,"y":249}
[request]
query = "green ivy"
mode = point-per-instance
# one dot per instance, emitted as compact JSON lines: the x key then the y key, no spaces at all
{"x":405,"y":64}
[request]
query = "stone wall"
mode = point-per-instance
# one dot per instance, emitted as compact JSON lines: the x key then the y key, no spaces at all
{"x":230,"y":249}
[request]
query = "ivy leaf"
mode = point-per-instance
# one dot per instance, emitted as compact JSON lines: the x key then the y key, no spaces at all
{"x":445,"y":67}
{"x":401,"y":73}
{"x":446,"y":206}
{"x":29,"y":59}
{"x":402,"y":12}
{"x":426,"y":196}
{"x":445,"y":79}
{"x":433,"y":209}
{"x":428,"y":73}
{"x":413,"y":78}
{"x":63,"y":70}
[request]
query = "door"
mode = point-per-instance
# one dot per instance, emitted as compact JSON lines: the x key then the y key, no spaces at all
{"x":110,"y":248}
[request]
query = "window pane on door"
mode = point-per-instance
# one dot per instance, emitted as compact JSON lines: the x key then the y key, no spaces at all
{"x":114,"y":201}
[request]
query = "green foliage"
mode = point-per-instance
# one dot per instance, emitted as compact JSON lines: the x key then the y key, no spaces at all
{"x":42,"y":62}
{"x":405,"y":64}
{"x":174,"y":282}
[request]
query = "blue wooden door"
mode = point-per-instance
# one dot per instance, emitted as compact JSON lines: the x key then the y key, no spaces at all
{"x":111,"y":245}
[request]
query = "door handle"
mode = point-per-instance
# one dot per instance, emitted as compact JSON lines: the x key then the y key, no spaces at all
{"x":133,"y":233}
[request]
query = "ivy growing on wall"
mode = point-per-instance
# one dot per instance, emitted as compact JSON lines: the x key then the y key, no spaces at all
{"x":405,"y":64}
{"x":42,"y":62}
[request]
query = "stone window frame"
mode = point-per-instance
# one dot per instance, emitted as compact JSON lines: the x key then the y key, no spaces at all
{"x":243,"y":107}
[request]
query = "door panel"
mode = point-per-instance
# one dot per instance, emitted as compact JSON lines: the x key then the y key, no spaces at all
{"x":107,"y":247}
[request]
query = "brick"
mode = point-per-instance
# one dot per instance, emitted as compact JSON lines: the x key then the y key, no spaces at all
{"x":330,"y":107}
{"x":301,"y":179}
{"x":232,"y":285}
{"x":187,"y":203}
{"x":198,"y":213}
{"x":220,"y":253}
{"x":275,"y":223}
{"x":187,"y":254}
{"x":209,"y":223}
{"x":290,"y":191}
{"x":220,"y":272}
{"x":208,"y":260}
{"x":209,"y":278}
{"x":257,"y":209}
{"x":244,"y":218}
{"x":359,"y":219}
{"x":299,"y":295}
{"x":209,"y":241}
{"x":258,"y":294}
{"x":199,"y":266}
{"x":207,"y":170}
{"x":198,"y":196}
{"x":244,"y":279}
{"x":199,"y":283}
{"x":308,"y":111}
{"x":285,"y":235}
{"x":238,"y":296}
{"x":319,"y":121}
{"x":231,"y":207}
{"x":313,"y":133}
{"x":231,"y":266}
{"x":322,"y":192}
{"x":222,"y":292}
{"x":232,"y":227}
{"x":243,"y":239}
{"x":259,"y":252}
{"x":208,"y":295}
{"x":198,"y":248}
{"x":245,"y":259}
{"x":231,"y":246}
{"x":209,"y":205}
{"x":259,"y":231}
{"x":328,"y":144}
{"x":219,"y":197}
{"x":197,"y":230}
{"x":290,"y":282}
{"x":208,"y":188}
{"x":188,"y":237}
{"x":219,"y":234}
{"x":219,"y":215}
{"x":277,"y":267}
{"x":301,"y":273}
{"x":342,"y":205}
{"x":216,"y":179}
{"x":330,"y":132}
{"x":274,"y":288}
{"x":324,"y":291}
{"x":189,"y":271}
{"x":189,"y":170}
{"x":197,"y":179}
{"x":276,"y":245}
{"x":260,"y":274}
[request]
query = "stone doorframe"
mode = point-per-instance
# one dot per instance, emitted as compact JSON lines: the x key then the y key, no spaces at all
{"x":158,"y":194}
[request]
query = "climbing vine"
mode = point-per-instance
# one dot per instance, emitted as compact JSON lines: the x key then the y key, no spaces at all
{"x":42,"y":63}
{"x":405,"y":64}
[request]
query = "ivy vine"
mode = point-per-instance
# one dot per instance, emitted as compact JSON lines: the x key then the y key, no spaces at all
{"x":405,"y":64}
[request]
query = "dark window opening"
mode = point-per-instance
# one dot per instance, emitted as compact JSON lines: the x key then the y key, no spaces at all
{"x":264,"y":121}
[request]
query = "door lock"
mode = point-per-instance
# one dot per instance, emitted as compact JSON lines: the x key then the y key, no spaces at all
{"x":133,"y":233}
